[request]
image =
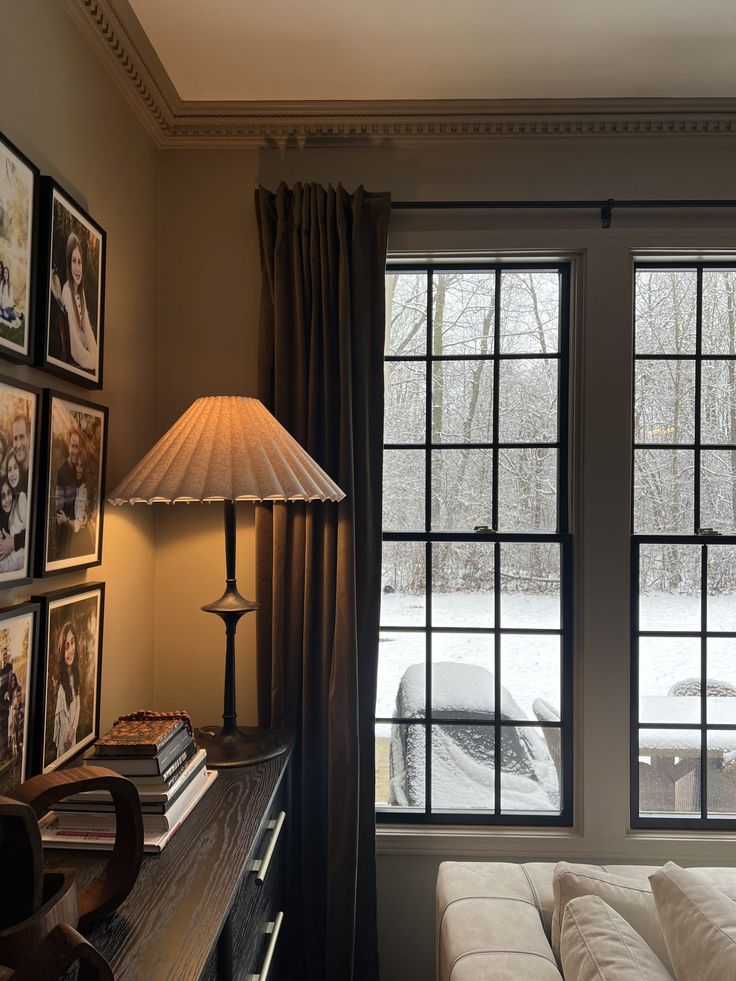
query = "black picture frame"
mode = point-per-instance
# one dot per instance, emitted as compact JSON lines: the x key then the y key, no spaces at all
{"x":71,"y":505}
{"x":70,"y":336}
{"x":14,"y":771}
{"x":83,"y":608}
{"x":19,"y":193}
{"x":19,"y":400}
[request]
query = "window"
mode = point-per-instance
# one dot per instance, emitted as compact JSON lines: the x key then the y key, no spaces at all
{"x":475,"y":645}
{"x":683,"y":739}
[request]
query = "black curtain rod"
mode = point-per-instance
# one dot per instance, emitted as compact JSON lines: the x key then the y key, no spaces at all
{"x":605,"y":207}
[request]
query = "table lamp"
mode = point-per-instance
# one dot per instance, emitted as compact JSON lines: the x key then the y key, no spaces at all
{"x":228,"y":448}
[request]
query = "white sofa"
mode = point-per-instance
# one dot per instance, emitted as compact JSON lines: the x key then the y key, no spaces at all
{"x":494,"y":919}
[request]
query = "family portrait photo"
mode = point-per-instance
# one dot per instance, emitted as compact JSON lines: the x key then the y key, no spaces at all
{"x":71,"y":675}
{"x":75,"y":300}
{"x":18,"y":190}
{"x":18,"y":435}
{"x":17,"y":639}
{"x":77,"y":439}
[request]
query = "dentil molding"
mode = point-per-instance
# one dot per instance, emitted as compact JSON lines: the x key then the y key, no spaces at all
{"x":113,"y":29}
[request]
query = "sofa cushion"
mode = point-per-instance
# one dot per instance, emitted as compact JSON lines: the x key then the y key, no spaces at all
{"x":489,"y":925}
{"x":699,"y":924}
{"x":630,"y":897}
{"x":596,"y":944}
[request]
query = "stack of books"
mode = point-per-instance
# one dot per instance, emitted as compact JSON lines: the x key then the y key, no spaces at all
{"x":160,"y":757}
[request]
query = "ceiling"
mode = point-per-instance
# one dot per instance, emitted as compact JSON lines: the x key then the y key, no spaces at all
{"x":234,"y":50}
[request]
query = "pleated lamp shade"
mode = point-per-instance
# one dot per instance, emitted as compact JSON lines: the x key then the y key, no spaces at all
{"x":226,"y":448}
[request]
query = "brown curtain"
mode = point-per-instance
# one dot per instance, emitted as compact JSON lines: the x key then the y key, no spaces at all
{"x":323,"y":256}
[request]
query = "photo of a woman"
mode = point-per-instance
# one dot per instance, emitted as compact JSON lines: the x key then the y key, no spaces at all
{"x":82,"y":342}
{"x":74,"y":289}
{"x":7,"y":302}
{"x":14,"y":534}
{"x":72,"y":631}
{"x":66,"y":717}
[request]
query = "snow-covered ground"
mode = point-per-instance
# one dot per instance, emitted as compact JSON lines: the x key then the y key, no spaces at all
{"x":530,"y":664}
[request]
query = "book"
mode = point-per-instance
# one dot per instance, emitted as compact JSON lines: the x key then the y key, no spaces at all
{"x":103,"y":839}
{"x":164,"y":821}
{"x":152,"y":801}
{"x":145,"y":765}
{"x":138,"y":737}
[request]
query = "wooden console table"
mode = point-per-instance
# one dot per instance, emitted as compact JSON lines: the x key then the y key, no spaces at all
{"x":198,"y":911}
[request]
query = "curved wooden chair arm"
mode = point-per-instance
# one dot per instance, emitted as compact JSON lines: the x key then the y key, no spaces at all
{"x":112,"y":885}
{"x":21,"y":859}
{"x":63,"y":947}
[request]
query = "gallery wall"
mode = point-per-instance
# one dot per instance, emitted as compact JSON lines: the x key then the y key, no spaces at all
{"x":59,"y":106}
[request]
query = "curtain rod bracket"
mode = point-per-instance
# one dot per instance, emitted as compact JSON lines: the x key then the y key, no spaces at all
{"x":607,"y":214}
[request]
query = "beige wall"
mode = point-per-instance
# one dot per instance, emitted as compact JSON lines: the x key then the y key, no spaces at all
{"x":59,"y":105}
{"x":207,"y":346}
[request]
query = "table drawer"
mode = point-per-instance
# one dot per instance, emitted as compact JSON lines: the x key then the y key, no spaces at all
{"x":257,"y":927}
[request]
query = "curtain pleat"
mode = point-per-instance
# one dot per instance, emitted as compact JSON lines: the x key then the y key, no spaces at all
{"x":323,"y":255}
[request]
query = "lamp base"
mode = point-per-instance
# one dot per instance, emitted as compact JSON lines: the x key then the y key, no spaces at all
{"x":242,"y":746}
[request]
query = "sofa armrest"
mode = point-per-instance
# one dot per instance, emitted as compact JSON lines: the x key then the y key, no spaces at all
{"x":489,"y":927}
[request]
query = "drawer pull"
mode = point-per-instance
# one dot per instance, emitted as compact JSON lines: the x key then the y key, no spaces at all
{"x":273,"y":928}
{"x":260,"y":866}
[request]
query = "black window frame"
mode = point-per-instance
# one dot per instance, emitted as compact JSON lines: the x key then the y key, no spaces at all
{"x":562,"y":536}
{"x":698,"y":538}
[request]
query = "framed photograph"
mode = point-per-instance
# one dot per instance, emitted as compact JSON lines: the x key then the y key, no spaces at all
{"x":67,"y":702}
{"x":18,"y":659}
{"x":74,"y":457}
{"x":19,"y":183}
{"x":71,"y":289}
{"x":20,"y":409}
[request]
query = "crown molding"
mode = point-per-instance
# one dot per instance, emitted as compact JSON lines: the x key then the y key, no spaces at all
{"x":113,"y":29}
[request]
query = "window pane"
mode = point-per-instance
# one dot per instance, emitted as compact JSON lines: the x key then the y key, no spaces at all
{"x":719,"y":311}
{"x":462,"y":482}
{"x":669,"y":587}
{"x":669,"y":772}
{"x":530,"y":312}
{"x":721,"y":773}
{"x":406,"y":313}
{"x":405,"y":781}
{"x":403,"y":584}
{"x":669,"y":679}
{"x":718,"y":402}
{"x":718,"y":490}
{"x":527,"y":411}
{"x":722,"y":587}
{"x":529,"y":780}
{"x":527,"y":489}
{"x":462,"y":402}
{"x":401,"y":690}
{"x":721,"y":687}
{"x":403,"y":490}
{"x":405,"y":402}
{"x":665,"y":311}
{"x":530,"y":585}
{"x":530,"y":670}
{"x":462,"y":768}
{"x":664,"y":404}
{"x":462,"y":584}
{"x":462,"y":312}
{"x":462,"y":676}
{"x":663,"y":491}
